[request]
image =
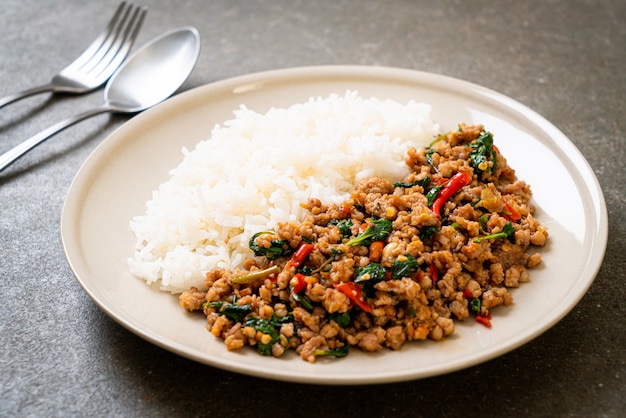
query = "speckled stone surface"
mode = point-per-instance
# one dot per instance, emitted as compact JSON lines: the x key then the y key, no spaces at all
{"x":60,"y":355}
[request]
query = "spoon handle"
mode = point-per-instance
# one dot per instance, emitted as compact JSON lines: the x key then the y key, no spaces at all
{"x":32,"y":91}
{"x":16,"y":152}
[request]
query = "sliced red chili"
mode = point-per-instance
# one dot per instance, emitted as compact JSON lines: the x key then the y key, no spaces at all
{"x":300,"y":283}
{"x":355,"y":293}
{"x":455,"y":184}
{"x":434,"y":272}
{"x":484,"y":319}
{"x":510,"y":212}
{"x":301,"y":254}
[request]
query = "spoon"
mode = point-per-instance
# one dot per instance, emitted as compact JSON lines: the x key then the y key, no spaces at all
{"x":148,"y":77}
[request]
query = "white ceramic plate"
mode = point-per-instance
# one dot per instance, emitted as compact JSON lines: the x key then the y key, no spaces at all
{"x":118,"y":178}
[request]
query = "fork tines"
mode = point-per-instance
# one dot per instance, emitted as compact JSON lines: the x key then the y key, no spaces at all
{"x":111,"y":47}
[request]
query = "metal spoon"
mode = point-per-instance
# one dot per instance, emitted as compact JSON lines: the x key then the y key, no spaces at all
{"x":149,"y":76}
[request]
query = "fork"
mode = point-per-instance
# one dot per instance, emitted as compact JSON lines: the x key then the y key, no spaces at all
{"x":98,"y":62}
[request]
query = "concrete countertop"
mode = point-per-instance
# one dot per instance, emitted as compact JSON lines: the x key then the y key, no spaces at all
{"x":60,"y":355}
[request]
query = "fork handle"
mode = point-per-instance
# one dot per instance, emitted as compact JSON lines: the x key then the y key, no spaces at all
{"x":30,"y":92}
{"x":16,"y":152}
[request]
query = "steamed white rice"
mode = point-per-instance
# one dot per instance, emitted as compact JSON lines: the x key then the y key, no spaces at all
{"x":256,"y":169}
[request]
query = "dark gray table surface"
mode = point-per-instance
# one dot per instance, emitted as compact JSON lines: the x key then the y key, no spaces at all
{"x":60,"y":355}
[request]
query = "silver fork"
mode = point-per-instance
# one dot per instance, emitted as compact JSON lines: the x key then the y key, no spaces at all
{"x":98,"y":62}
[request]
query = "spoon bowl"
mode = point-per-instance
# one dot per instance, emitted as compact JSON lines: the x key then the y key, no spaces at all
{"x":155,"y":72}
{"x":149,"y":76}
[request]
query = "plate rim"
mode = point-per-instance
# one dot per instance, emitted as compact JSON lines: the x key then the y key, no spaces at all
{"x":251,"y":80}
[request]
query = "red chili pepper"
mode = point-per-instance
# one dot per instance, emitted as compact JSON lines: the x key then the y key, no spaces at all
{"x":510,"y":212}
{"x":484,"y":319}
{"x":345,"y":209}
{"x":301,"y":253}
{"x":468,"y":294}
{"x":354,"y":292}
{"x":301,"y":285}
{"x":455,"y":184}
{"x":434,"y":273}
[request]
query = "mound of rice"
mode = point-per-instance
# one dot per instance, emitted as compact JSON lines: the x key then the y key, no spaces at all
{"x":256,"y":169}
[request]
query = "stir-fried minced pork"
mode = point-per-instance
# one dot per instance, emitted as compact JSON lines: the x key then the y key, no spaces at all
{"x":394,"y":263}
